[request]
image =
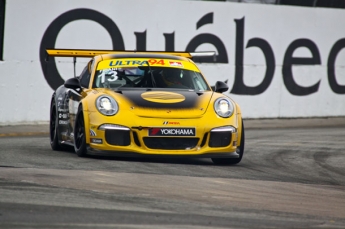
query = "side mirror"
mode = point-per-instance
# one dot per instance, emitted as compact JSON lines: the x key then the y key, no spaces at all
{"x":220,"y":87}
{"x":73,"y":83}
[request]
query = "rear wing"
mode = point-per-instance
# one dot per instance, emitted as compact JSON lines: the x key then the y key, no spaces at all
{"x":92,"y":53}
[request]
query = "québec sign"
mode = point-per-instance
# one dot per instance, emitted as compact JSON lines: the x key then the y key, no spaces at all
{"x":54,"y":79}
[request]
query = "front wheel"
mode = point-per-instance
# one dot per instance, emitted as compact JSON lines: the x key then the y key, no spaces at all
{"x":79,"y":134}
{"x":232,"y":161}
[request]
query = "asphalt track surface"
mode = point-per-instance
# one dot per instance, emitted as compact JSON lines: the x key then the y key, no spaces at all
{"x":292,"y":176}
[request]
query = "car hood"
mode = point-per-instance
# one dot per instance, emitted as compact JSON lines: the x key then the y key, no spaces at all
{"x":161,"y":104}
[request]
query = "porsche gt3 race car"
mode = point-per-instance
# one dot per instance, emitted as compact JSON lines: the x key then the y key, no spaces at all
{"x":127,"y":103}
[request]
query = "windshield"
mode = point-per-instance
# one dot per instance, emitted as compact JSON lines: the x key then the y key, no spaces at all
{"x":149,"y":77}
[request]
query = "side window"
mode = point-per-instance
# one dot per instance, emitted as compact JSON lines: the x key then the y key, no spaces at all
{"x":84,"y":77}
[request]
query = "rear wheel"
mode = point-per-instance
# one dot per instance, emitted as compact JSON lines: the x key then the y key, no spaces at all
{"x":53,"y":127}
{"x":79,"y":134}
{"x":232,"y":161}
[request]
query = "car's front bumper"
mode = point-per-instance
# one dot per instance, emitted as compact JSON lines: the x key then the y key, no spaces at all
{"x":130,"y":136}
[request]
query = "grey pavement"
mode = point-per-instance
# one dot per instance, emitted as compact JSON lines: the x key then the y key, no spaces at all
{"x":43,"y":128}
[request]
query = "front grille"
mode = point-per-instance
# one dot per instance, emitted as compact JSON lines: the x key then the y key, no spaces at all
{"x":170,"y":143}
{"x":117,"y":137}
{"x":219,"y":139}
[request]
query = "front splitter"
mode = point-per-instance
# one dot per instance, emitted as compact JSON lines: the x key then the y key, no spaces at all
{"x":96,"y":152}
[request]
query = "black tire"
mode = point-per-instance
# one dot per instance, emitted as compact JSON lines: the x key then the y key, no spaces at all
{"x":232,"y":161}
{"x":54,"y":127}
{"x":79,"y":134}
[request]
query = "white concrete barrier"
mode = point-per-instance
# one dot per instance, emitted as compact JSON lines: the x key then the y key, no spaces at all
{"x":279,"y":61}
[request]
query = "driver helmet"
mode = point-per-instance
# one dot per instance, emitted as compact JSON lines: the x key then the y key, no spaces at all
{"x":171,"y":76}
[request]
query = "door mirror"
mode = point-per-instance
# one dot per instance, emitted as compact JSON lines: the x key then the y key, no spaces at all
{"x":73,"y":83}
{"x":220,"y":87}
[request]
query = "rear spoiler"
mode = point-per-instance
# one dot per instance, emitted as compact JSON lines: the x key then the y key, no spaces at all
{"x":92,"y":53}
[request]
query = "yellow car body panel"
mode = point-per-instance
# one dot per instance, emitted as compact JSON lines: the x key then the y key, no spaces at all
{"x":129,"y":115}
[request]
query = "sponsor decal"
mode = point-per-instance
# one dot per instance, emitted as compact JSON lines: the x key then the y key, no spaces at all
{"x":171,"y":123}
{"x":175,"y":64}
{"x":172,"y":132}
{"x":63,"y":122}
{"x":127,"y":62}
{"x":156,"y":62}
{"x":96,"y":140}
{"x":62,"y":110}
{"x":64,"y":116}
{"x":122,"y":63}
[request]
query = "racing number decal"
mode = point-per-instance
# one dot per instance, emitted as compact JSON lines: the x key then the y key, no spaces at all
{"x":110,"y":73}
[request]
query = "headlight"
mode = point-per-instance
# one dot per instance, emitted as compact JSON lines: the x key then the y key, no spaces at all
{"x":107,"y":105}
{"x":224,"y":107}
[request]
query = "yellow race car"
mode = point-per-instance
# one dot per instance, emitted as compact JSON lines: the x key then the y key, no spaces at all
{"x":127,"y":103}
